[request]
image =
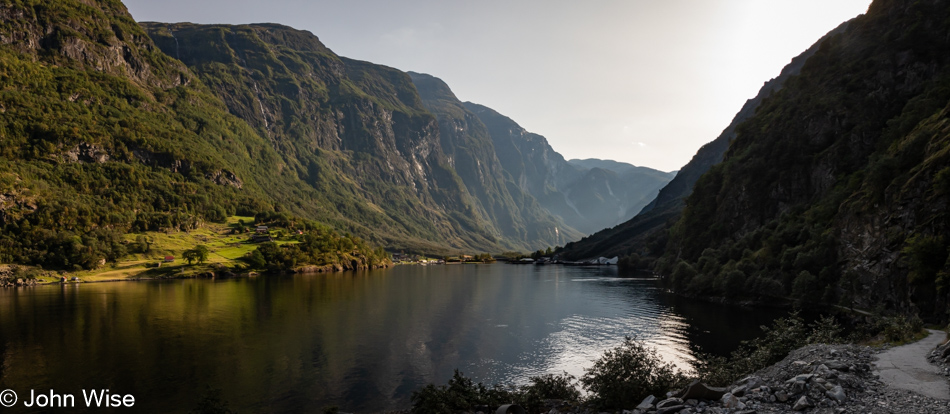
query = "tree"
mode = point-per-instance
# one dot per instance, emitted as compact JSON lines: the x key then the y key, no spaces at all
{"x":144,"y":243}
{"x":202,"y":253}
{"x":199,"y":254}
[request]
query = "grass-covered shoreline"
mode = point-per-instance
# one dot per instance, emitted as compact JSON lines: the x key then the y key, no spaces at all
{"x":232,"y":249}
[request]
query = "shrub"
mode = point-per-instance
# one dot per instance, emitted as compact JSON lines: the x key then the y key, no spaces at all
{"x":925,"y":256}
{"x":547,"y":387}
{"x":701,"y":284}
{"x":825,"y":331}
{"x":731,"y":282}
{"x":461,"y":394}
{"x":623,"y":376}
{"x":900,"y":328}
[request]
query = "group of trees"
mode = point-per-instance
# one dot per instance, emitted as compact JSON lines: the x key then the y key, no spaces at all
{"x":318,"y":246}
{"x":786,"y":258}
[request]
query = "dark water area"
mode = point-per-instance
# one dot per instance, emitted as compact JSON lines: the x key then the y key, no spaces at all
{"x":362,"y":341}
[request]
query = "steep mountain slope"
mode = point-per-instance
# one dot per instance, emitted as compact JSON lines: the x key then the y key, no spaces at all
{"x":356,"y":132}
{"x":837,"y":189}
{"x":588,"y":195}
{"x":645,"y":231}
{"x":102,"y":133}
{"x":470,"y":149}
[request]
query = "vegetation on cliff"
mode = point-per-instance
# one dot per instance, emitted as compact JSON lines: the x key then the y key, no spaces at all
{"x":834,"y":192}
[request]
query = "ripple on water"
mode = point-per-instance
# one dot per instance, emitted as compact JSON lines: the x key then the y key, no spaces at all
{"x":581,"y":339}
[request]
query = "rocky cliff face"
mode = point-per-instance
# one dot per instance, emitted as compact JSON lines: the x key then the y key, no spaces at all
{"x":834,"y":190}
{"x":105,"y":39}
{"x":475,"y":157}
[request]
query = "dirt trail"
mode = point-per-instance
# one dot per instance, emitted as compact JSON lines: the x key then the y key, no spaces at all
{"x":906,"y":367}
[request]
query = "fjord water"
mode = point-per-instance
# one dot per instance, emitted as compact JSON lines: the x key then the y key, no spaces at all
{"x":362,"y":341}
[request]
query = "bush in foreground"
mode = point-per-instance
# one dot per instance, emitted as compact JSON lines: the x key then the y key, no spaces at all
{"x":459,"y":395}
{"x":548,"y":387}
{"x":627,"y":374}
{"x":462,"y":394}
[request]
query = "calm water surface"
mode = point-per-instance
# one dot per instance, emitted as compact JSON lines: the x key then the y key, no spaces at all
{"x":362,"y":341}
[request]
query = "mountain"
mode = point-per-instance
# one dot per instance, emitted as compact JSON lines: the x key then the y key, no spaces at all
{"x":645,"y":232}
{"x":471,"y":151}
{"x":638,"y":186}
{"x":609,"y":165}
{"x":104,"y":134}
{"x":360,"y":134}
{"x":587,"y":195}
{"x":836,"y":190}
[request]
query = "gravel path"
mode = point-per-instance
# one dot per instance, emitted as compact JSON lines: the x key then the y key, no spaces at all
{"x":906,"y":367}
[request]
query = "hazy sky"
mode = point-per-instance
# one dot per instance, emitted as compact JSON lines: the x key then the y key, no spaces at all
{"x":642,"y":81}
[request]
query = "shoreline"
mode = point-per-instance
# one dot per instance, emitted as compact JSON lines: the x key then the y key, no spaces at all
{"x":208,"y":273}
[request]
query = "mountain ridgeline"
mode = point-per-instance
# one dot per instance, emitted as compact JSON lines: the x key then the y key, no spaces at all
{"x":110,"y":126}
{"x":646,"y":233}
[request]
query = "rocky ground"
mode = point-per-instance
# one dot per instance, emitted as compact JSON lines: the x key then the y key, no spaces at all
{"x":813,"y":379}
{"x":940,"y":357}
{"x":9,"y":278}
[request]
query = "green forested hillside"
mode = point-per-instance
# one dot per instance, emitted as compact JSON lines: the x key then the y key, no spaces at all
{"x":103,"y":134}
{"x":836,"y":190}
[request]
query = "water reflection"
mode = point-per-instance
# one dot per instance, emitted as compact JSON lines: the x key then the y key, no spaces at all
{"x":362,"y":341}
